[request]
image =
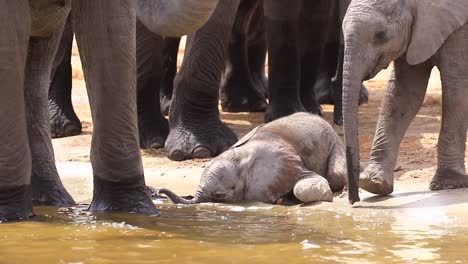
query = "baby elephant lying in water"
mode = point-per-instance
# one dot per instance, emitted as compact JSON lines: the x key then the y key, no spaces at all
{"x":299,"y":157}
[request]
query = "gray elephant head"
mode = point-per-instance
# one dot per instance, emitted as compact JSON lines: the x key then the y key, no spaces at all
{"x":264,"y":169}
{"x":377,"y":32}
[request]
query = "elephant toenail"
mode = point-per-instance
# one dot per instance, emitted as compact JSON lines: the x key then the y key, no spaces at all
{"x":178,"y":155}
{"x":201,"y":153}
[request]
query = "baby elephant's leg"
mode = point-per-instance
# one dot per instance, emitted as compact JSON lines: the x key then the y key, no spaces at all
{"x":336,"y":174}
{"x":312,"y":188}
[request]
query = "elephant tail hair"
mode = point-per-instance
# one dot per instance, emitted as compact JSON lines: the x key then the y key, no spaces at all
{"x":177,"y":199}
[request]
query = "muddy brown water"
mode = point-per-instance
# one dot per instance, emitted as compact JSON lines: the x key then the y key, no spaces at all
{"x":410,"y":227}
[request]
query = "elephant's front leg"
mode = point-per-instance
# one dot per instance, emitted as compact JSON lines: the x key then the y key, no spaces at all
{"x":46,"y":184}
{"x":105,"y":32}
{"x":15,"y":155}
{"x":196,"y":130}
{"x":284,"y":72}
{"x":451,"y":173}
{"x":402,"y":101}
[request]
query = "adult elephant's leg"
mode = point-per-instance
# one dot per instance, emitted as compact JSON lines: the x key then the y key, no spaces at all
{"x":257,"y":51}
{"x":46,"y":184}
{"x":105,"y":31}
{"x":323,"y":87}
{"x":337,"y":85}
{"x":282,"y":26}
{"x":239,"y":91}
{"x":315,"y":24}
{"x":196,"y":128}
{"x":63,"y":119}
{"x":170,"y":51}
{"x":403,"y":99}
{"x":15,"y":155}
{"x":153,"y":127}
{"x":451,"y":171}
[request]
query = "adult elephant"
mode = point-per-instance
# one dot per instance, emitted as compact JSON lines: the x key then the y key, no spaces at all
{"x":418,"y":35}
{"x":304,"y":56}
{"x":105,"y":31}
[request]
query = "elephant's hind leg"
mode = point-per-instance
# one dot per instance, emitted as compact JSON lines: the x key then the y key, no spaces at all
{"x":46,"y":184}
{"x":63,"y":120}
{"x":153,"y":127}
{"x":106,"y":36}
{"x":451,"y":173}
{"x":15,"y":155}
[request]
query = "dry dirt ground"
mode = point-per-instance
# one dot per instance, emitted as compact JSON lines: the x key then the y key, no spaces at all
{"x":416,"y":163}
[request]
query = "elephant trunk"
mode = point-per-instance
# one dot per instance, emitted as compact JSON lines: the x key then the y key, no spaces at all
{"x":353,"y":73}
{"x":179,"y":200}
{"x":174,"y":18}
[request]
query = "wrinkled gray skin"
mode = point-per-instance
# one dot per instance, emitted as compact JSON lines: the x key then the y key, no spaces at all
{"x":418,"y":35}
{"x":105,"y":33}
{"x":266,"y":164}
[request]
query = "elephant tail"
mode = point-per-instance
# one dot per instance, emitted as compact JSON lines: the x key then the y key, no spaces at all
{"x":177,"y":199}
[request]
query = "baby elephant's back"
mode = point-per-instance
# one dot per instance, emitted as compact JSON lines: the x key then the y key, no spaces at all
{"x":311,"y":136}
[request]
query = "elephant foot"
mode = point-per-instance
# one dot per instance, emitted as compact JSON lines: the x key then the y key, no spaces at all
{"x":242,"y":95}
{"x":323,"y":89}
{"x":130,"y":196}
{"x":199,"y":138}
{"x":244,"y":104}
{"x":313,"y":108}
{"x":63,"y":123}
{"x":49,"y":192}
{"x":373,"y":180}
{"x":313,"y":189}
{"x":153,"y":133}
{"x":15,"y":204}
{"x":448,"y":179}
{"x":282,"y":109}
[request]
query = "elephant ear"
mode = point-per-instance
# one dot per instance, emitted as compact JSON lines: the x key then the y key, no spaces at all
{"x":247,"y":137}
{"x":434,"y":22}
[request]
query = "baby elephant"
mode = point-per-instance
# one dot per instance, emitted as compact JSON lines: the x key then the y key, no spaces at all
{"x":288,"y":160}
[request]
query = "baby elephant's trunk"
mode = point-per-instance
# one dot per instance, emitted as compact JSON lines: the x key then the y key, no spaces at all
{"x":177,"y":199}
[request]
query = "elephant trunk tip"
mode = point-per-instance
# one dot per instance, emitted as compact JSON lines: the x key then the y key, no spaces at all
{"x":176,"y":198}
{"x":353,"y":197}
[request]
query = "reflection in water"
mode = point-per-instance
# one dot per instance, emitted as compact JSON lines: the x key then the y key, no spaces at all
{"x":250,"y":233}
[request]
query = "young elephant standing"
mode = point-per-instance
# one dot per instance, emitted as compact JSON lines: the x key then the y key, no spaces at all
{"x":418,"y":35}
{"x":271,"y":161}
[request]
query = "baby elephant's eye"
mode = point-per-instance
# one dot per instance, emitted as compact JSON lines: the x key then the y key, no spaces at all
{"x":380,"y":36}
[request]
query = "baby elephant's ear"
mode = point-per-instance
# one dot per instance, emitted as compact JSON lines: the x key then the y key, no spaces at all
{"x":247,"y":137}
{"x":434,"y":21}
